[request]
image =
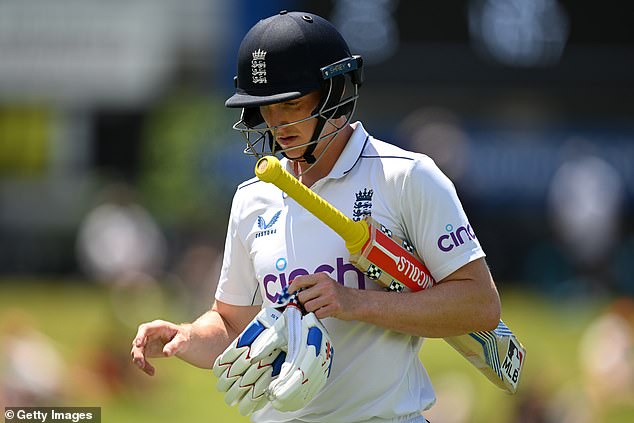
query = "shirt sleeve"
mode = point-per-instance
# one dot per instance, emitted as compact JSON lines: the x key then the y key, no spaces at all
{"x":237,"y":284}
{"x":436,"y":221}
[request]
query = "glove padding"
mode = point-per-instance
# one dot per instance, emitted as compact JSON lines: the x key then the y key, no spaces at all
{"x":243,"y":379}
{"x":308,"y":361}
{"x":284,"y":358}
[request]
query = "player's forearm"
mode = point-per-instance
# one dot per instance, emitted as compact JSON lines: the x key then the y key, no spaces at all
{"x":449,"y":309}
{"x":209,"y":336}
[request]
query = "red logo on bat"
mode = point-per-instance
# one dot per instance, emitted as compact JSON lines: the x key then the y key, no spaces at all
{"x":403,"y":266}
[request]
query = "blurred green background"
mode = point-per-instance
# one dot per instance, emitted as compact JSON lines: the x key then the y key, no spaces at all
{"x":118,"y":164}
{"x":89,"y":343}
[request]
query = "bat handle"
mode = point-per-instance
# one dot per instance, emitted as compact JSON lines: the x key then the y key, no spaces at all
{"x":354,"y":233}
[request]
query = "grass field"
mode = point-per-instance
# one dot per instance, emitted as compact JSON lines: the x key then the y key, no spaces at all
{"x":93,"y":336}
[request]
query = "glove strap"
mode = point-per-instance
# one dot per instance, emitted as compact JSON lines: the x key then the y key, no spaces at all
{"x":293,"y":316}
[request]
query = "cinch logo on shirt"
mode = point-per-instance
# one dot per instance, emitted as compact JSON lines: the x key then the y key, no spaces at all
{"x":453,"y":239}
{"x":275,"y":283}
{"x":266,"y":228}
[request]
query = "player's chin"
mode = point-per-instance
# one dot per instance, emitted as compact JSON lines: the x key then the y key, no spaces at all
{"x":295,"y":155}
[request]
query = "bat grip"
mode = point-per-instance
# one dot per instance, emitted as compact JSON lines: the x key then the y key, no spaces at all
{"x":354,"y":233}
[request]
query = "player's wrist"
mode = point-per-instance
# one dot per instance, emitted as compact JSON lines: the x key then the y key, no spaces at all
{"x":370,"y":306}
{"x":358,"y":307}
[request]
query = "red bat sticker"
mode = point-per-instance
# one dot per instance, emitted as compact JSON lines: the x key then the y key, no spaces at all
{"x":385,"y":253}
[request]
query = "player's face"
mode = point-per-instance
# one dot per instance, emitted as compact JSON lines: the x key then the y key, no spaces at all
{"x":291,"y":111}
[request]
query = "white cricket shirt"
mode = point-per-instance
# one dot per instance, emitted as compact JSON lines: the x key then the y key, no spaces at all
{"x":376,"y":373}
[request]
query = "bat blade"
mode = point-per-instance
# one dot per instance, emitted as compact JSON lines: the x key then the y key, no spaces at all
{"x":393,"y":262}
{"x":498,"y":354}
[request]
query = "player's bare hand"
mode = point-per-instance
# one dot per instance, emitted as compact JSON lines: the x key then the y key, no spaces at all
{"x":158,"y":339}
{"x":324,"y":296}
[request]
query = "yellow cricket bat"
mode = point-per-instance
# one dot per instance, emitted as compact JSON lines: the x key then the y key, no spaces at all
{"x":393,"y":262}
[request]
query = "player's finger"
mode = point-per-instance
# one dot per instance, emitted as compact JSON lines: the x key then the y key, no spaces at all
{"x":140,"y":347}
{"x":148,"y":368}
{"x":324,"y":286}
{"x":140,"y":338}
{"x":138,"y":356}
{"x":140,"y":342}
{"x":308,"y":294}
{"x":139,"y":360}
{"x":329,"y":310}
{"x":294,"y":285}
{"x":150,"y":328}
{"x":301,"y":282}
{"x":306,"y":281}
{"x":313,"y":305}
{"x":155,"y":329}
{"x":321,"y":301}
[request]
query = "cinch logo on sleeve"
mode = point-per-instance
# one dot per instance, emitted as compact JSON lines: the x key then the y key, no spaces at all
{"x":455,"y":238}
{"x":274,"y":284}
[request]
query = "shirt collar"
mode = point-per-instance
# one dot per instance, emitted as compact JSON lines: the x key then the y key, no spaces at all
{"x":351,"y":152}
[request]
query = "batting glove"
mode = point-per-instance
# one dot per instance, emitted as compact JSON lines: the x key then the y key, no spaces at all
{"x":243,"y":379}
{"x":308,"y":362}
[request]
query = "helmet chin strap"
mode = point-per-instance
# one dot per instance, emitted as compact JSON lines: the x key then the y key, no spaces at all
{"x":308,"y":154}
{"x":310,"y":149}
